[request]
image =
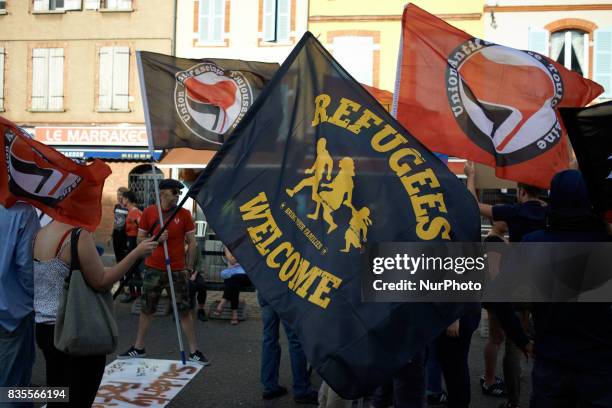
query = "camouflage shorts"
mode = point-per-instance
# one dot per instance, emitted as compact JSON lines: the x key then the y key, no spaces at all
{"x":155,"y":280}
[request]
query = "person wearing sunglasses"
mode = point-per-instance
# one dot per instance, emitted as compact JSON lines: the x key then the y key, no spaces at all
{"x":180,"y":231}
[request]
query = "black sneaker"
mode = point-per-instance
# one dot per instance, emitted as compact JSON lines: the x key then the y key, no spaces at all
{"x":436,"y":400}
{"x":132,"y":352}
{"x":498,"y":380}
{"x":198,"y":357}
{"x":279,"y":392}
{"x":202,"y":315}
{"x":310,"y":398}
{"x":494,"y":390}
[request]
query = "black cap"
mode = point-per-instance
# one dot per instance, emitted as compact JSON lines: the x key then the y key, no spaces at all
{"x":169,"y":184}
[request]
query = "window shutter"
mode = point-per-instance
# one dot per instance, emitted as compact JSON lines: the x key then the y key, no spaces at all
{"x":72,"y":5}
{"x":359,"y":64}
{"x":218,"y":20}
{"x":92,"y":4}
{"x":602,"y":62}
{"x":121,"y":73}
{"x":269,"y":20}
{"x":204,"y":11}
{"x":283,"y":20}
{"x":125,"y":4}
{"x":538,"y":41}
{"x":40,"y":78}
{"x":56,"y":78}
{"x":41,"y":5}
{"x":105,"y":87}
{"x":1,"y":79}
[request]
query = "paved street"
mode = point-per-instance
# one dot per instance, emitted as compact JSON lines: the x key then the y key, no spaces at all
{"x":233,"y":378}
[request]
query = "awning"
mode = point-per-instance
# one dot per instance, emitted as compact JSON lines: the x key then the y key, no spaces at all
{"x":134,"y":154}
{"x":182,"y":157}
{"x":385,"y":98}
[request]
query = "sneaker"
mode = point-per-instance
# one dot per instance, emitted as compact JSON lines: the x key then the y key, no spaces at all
{"x":279,"y":392}
{"x":311,"y":398}
{"x":132,"y":352}
{"x":202,"y":315}
{"x":437,"y":399}
{"x":495,"y":390}
{"x":198,"y":357}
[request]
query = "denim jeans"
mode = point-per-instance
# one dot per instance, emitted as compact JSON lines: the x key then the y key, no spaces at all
{"x":271,"y":354}
{"x":17,"y":356}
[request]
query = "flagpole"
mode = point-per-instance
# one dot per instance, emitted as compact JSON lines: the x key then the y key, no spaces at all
{"x":145,"y":106}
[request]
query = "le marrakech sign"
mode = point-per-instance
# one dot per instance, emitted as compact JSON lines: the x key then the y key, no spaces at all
{"x":92,"y":136}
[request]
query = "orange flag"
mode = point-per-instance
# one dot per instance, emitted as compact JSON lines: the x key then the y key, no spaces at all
{"x":40,"y":175}
{"x":477,"y":100}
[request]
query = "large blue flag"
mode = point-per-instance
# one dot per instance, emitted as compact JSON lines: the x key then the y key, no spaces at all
{"x":316,"y":169}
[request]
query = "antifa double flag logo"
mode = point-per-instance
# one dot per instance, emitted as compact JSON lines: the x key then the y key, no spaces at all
{"x":492,"y":112}
{"x":40,"y":181}
{"x":65,"y":190}
{"x":211,"y":102}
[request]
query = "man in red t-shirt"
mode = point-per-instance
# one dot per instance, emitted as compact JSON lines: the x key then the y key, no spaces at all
{"x":181,"y":230}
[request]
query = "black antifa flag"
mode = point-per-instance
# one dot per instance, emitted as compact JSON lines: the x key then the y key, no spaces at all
{"x":590,"y":131}
{"x":198,"y":103}
{"x":316,"y":169}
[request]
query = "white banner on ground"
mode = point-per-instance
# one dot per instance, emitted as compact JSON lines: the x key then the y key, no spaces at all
{"x":143,"y":382}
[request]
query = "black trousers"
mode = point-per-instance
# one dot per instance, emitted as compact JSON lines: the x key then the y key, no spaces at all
{"x":81,"y":374}
{"x":133,"y":277}
{"x":197,"y":287}
{"x":232,"y":288}
{"x":119,"y":244}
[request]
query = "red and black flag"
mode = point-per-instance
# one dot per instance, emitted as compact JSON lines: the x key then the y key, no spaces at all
{"x":198,"y":103}
{"x":477,"y":100}
{"x":315,"y":170}
{"x":590,"y":131}
{"x":65,"y":190}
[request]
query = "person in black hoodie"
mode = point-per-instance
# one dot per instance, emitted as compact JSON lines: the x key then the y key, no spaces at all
{"x":573,"y":341}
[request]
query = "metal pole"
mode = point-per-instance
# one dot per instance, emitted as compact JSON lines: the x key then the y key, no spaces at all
{"x":145,"y":106}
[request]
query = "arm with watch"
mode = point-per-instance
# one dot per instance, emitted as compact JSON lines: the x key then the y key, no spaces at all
{"x":192,"y":247}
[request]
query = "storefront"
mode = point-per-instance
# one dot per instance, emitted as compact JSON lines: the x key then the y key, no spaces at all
{"x":123,"y":148}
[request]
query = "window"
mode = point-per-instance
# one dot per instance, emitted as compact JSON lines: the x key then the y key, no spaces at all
{"x":56,"y":5}
{"x":114,"y":79}
{"x":212,"y":20}
{"x":47,"y":79}
{"x":570,"y":49}
{"x":2,"y":5}
{"x":1,"y":79}
{"x":359,"y":64}
{"x":117,"y":4}
{"x":602,"y":60}
{"x":276,"y":20}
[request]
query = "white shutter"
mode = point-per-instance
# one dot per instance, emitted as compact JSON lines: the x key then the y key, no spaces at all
{"x":204,"y":19}
{"x":125,"y":5}
{"x":283,"y":20}
{"x":40,"y":78}
{"x":218,"y":19}
{"x":269,"y":20}
{"x":538,"y":41}
{"x":111,"y":4}
{"x":105,"y":96}
{"x":602,"y":62}
{"x":56,"y":78}
{"x":72,"y":4}
{"x":1,"y":79}
{"x":41,"y":5}
{"x":121,"y":73}
{"x":92,"y":4}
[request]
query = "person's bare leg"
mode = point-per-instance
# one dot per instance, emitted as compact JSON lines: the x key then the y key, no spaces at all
{"x":187,"y":325}
{"x":143,"y":327}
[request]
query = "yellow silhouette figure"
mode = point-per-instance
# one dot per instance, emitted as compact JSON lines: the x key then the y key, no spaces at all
{"x":342,"y":185}
{"x":358,"y":228}
{"x":323,"y":165}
